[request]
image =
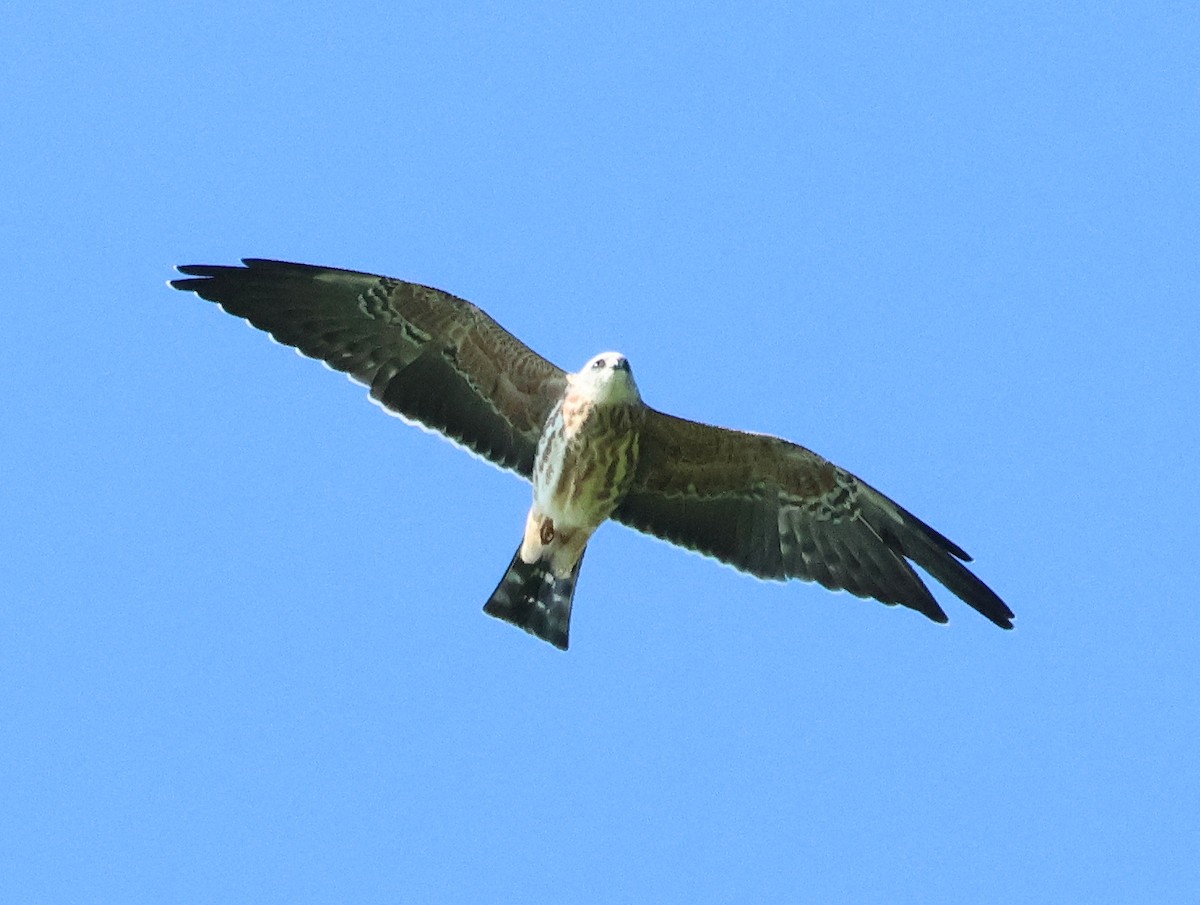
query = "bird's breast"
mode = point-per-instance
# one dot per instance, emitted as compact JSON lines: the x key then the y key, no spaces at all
{"x":585,"y":461}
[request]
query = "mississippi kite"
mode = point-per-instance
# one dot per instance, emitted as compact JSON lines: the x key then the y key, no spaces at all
{"x":592,"y":449}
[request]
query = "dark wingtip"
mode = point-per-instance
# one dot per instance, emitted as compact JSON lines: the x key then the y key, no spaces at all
{"x":986,"y":602}
{"x":208,"y":271}
{"x":944,"y":559}
{"x":987,"y":608}
{"x":202,"y":278}
{"x":198,"y":275}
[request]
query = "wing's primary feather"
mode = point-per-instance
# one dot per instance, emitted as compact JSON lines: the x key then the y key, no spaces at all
{"x":425,"y":354}
{"x":777,"y":510}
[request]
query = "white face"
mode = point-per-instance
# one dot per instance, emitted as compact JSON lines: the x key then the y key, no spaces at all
{"x":607,"y":377}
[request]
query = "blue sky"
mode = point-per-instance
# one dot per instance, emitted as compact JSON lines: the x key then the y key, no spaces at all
{"x":242,"y":657}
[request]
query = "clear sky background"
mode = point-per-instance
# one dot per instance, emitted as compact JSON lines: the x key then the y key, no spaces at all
{"x":954,"y":249}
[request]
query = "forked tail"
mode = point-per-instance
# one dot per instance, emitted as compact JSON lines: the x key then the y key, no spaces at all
{"x":531,"y":597}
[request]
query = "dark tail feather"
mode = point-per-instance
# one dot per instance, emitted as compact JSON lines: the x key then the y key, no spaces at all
{"x":530,"y":597}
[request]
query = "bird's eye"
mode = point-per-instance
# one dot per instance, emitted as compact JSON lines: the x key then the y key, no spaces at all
{"x":598,"y":364}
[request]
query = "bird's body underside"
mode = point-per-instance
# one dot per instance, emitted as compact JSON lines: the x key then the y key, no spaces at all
{"x":585,"y":461}
{"x":593,"y":450}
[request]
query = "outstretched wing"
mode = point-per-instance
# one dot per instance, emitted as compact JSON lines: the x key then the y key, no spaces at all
{"x":425,"y":354}
{"x":778,"y":510}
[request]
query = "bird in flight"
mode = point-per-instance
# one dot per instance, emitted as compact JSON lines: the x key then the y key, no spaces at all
{"x":593,"y":449}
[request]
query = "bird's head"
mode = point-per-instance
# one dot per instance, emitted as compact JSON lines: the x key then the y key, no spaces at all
{"x":607,"y":378}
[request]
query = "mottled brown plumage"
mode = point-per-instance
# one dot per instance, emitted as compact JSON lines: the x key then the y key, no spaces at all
{"x":761,"y":504}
